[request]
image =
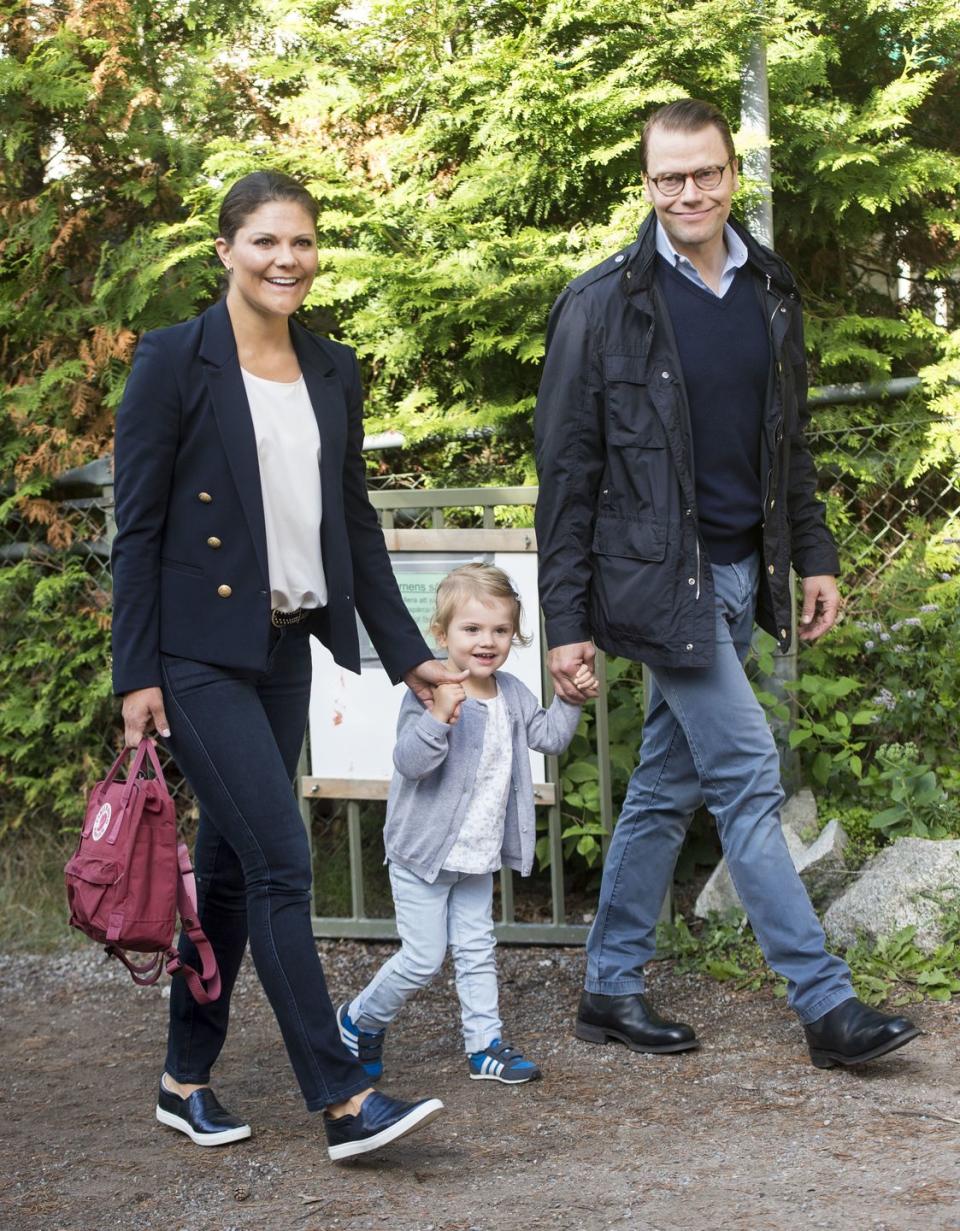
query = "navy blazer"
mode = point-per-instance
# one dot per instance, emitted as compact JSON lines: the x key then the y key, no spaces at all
{"x":190,"y":554}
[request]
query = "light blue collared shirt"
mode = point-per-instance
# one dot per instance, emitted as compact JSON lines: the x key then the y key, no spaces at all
{"x":736,"y":256}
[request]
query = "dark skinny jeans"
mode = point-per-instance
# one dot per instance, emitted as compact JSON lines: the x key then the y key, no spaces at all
{"x":237,"y":738}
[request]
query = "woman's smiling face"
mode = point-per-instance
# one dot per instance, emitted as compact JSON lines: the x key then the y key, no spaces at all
{"x":272,"y":258}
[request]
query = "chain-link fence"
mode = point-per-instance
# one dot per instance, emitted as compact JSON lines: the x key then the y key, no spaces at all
{"x":73,"y":524}
{"x":890,"y":488}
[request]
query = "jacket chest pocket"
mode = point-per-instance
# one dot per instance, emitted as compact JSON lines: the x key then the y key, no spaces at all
{"x":632,"y":422}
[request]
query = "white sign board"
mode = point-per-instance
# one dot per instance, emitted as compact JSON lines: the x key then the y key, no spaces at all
{"x":353,"y":718}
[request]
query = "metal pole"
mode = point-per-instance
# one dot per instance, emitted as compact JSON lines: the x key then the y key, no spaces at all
{"x":755,"y":122}
{"x":554,"y":823}
{"x":603,"y":754}
{"x":355,"y":844}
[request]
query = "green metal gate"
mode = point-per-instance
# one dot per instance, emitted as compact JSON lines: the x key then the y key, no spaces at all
{"x":462,"y":519}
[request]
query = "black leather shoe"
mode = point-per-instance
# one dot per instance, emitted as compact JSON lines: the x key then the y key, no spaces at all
{"x":630,"y":1020}
{"x":381,"y":1119}
{"x":200,"y":1116}
{"x":853,"y":1033}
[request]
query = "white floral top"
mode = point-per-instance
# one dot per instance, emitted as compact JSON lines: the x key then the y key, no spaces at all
{"x":476,"y":848}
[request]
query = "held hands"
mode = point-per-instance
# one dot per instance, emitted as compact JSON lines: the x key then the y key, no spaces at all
{"x":572,"y":669}
{"x":821,"y":605}
{"x":428,"y":679}
{"x":142,"y":712}
{"x":586,"y":682}
{"x":447,"y":699}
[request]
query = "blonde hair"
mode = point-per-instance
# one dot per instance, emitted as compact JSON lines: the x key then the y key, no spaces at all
{"x":480,"y":581}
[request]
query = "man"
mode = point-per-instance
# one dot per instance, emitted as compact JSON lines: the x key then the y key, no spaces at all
{"x":675,"y":492}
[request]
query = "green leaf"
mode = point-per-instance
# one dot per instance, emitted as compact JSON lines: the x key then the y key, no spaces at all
{"x":581,"y":771}
{"x":723,"y":969}
{"x":886,"y":818}
{"x":821,"y":767}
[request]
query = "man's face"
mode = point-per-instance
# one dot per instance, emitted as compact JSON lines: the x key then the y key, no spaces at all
{"x":695,"y":217}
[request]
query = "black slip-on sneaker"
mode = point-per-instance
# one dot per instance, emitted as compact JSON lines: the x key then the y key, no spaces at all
{"x":200,"y":1116}
{"x":380,"y":1120}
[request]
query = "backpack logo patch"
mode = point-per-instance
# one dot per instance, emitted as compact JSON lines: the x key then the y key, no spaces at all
{"x":101,"y":822}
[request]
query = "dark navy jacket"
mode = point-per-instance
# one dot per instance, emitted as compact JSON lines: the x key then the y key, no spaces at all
{"x":621,"y":557}
{"x":190,"y":555}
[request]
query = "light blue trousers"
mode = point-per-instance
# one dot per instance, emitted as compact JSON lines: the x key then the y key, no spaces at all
{"x":456,"y":910}
{"x":706,"y":739}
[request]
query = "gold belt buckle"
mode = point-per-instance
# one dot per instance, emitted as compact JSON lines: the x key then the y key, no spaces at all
{"x":280,"y":619}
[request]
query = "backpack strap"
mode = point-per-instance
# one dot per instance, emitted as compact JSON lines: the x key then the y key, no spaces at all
{"x":145,"y":974}
{"x":205,"y":984}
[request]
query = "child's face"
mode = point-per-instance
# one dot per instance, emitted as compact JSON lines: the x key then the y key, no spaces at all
{"x":479,"y":636}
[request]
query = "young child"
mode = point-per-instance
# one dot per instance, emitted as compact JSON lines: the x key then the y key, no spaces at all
{"x":460,"y":806}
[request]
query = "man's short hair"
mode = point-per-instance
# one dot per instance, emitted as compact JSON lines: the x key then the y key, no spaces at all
{"x":686,"y":115}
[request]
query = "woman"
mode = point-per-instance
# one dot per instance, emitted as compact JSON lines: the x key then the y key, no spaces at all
{"x":243,"y":525}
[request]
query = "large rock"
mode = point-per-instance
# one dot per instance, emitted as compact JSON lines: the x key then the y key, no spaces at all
{"x":718,"y":894}
{"x":799,"y":813}
{"x":903,"y":886}
{"x":822,"y":865}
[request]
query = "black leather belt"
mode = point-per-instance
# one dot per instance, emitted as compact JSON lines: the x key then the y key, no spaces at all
{"x":280,"y":619}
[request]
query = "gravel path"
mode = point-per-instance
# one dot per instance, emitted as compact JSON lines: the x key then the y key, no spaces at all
{"x":745,"y":1134}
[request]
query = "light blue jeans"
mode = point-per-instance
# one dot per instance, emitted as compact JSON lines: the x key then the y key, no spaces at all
{"x":456,"y":910}
{"x":706,"y":740}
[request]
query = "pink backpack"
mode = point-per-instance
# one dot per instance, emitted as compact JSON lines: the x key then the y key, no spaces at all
{"x":130,"y":876}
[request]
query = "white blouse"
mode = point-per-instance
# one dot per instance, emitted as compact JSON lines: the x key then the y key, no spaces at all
{"x":477,"y":846}
{"x":288,"y":450}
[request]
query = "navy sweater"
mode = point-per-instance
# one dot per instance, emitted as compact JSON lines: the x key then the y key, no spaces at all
{"x":725,"y":359}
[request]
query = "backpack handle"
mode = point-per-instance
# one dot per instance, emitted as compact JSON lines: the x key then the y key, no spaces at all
{"x":147,"y":748}
{"x":136,"y":775}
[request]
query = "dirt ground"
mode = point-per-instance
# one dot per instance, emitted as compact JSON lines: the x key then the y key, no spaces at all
{"x":745,"y":1134}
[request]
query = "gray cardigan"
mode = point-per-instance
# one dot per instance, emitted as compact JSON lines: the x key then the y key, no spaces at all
{"x":436,"y":766}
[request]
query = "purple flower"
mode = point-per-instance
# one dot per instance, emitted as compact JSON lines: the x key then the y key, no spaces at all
{"x":868,"y":645}
{"x":929,"y":607}
{"x":913,"y":622}
{"x":884,"y":636}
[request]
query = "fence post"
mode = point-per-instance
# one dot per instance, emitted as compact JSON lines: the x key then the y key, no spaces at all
{"x":604,"y":776}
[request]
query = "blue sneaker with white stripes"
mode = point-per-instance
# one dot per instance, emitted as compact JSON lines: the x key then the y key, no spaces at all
{"x":365,"y":1045}
{"x":501,"y":1062}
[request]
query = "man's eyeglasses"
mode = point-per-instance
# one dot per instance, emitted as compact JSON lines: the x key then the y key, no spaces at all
{"x":671,"y":183}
